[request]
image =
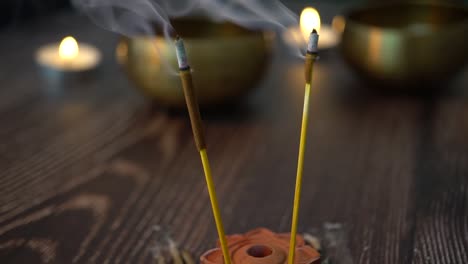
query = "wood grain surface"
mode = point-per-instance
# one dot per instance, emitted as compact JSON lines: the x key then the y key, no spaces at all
{"x":89,"y":166}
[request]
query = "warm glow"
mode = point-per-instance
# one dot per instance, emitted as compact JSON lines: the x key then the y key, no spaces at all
{"x":68,"y":48}
{"x":310,"y":19}
{"x":338,"y":24}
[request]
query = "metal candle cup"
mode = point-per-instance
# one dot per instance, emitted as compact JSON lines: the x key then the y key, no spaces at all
{"x":68,"y":58}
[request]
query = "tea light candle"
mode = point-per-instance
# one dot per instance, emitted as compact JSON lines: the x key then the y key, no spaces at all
{"x":309,"y":20}
{"x":68,"y":56}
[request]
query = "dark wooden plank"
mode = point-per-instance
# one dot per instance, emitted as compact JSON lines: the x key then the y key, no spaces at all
{"x":440,"y":227}
{"x":88,"y":168}
{"x":48,"y":232}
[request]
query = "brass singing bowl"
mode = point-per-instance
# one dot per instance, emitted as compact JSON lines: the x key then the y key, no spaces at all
{"x":227,"y":61}
{"x":406,"y":43}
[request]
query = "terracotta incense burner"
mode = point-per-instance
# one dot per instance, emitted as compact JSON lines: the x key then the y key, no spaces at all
{"x":262,"y":246}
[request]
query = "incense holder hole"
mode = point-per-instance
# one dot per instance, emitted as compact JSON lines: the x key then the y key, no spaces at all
{"x":259,"y":251}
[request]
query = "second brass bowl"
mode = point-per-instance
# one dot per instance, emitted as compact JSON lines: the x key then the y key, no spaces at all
{"x":227,"y":61}
{"x":406,"y":43}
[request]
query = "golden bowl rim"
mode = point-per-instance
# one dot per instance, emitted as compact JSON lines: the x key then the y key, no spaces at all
{"x":369,"y":8}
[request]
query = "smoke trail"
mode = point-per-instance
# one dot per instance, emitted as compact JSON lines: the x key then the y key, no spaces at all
{"x":128,"y":18}
{"x":139,"y":17}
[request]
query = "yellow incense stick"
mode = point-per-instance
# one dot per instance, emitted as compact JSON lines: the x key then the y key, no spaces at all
{"x":310,"y":58}
{"x":197,"y":129}
{"x":214,"y":205}
{"x":300,"y":165}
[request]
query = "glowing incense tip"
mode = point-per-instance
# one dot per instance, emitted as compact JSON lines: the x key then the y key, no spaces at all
{"x":181,"y":54}
{"x":197,"y":129}
{"x":311,"y":56}
{"x":312,"y":46}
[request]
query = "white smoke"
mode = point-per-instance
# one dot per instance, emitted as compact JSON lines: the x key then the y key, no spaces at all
{"x":140,"y":17}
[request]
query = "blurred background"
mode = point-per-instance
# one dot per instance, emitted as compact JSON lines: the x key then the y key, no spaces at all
{"x":387,"y":42}
{"x":96,"y":147}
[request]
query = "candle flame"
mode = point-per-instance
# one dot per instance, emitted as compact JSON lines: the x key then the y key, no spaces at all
{"x":310,"y":19}
{"x":68,"y":48}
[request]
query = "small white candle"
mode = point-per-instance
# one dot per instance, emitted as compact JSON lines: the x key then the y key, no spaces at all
{"x":68,"y":56}
{"x":309,"y":20}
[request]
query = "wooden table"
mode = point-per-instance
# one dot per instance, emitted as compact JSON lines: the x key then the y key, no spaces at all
{"x":89,"y":167}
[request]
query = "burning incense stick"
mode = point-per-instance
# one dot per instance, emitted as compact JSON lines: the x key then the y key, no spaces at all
{"x":195,"y":120}
{"x":311,"y":56}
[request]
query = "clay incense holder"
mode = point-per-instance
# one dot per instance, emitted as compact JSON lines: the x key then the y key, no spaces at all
{"x":262,"y":246}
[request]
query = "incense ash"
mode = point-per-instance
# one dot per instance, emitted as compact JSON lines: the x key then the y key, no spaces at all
{"x":165,"y":250}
